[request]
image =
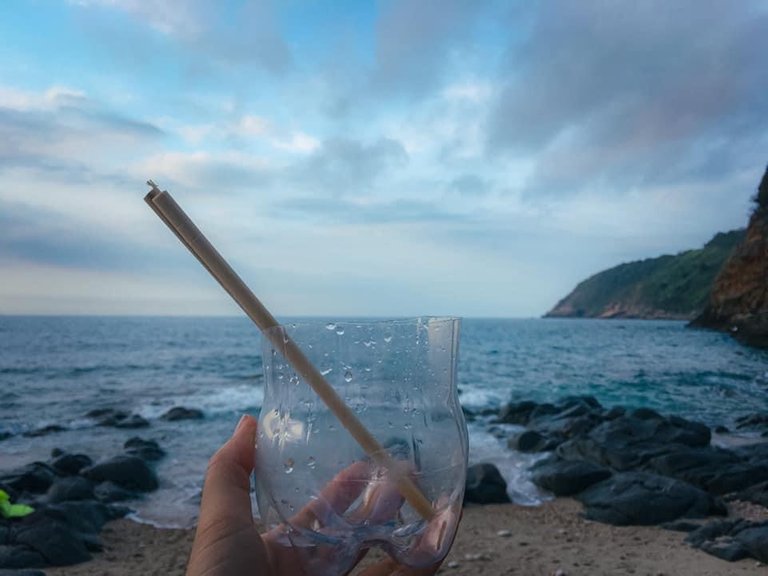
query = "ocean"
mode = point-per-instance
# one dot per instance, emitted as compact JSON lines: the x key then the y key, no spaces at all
{"x":54,"y":370}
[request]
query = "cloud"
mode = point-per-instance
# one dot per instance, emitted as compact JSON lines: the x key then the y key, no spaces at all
{"x":620,"y":95}
{"x":343,"y":166}
{"x":65,"y":134}
{"x":221,"y":34}
{"x":207,"y":170}
{"x":415,"y":42}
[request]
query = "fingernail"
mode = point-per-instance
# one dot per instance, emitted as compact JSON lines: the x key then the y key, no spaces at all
{"x":240,"y":423}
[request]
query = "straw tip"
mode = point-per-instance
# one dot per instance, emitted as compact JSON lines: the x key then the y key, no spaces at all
{"x":152,"y":193}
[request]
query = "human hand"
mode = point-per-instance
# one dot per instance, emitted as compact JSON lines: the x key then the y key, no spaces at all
{"x":227,"y":542}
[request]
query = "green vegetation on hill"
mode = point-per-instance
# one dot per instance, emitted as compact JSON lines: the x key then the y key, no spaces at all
{"x":664,"y":287}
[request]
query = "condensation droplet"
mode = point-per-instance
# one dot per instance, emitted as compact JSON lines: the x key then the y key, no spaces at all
{"x":348,"y":376}
{"x":387,"y":339}
{"x":288,"y":465}
{"x":407,"y":426}
{"x":340,"y":331}
{"x":311,"y":462}
{"x":330,"y":326}
{"x":326,"y":372}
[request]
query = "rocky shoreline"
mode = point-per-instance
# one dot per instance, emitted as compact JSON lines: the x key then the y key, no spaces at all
{"x":637,"y":467}
{"x":625,"y":467}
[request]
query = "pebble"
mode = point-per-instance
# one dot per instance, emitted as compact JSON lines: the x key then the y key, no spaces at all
{"x":504,"y":533}
{"x":453,"y":564}
{"x":475,"y":557}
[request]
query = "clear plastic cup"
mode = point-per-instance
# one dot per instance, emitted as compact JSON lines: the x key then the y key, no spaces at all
{"x":319,"y":494}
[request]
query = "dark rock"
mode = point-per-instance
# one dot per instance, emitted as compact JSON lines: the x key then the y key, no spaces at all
{"x":485,"y":485}
{"x":720,"y":429}
{"x":516,"y":413}
{"x":44,"y":431}
{"x":182,"y":413}
{"x":55,"y":542}
{"x":19,"y":557}
{"x":133,"y":421}
{"x":114,"y":418}
{"x":71,"y":488}
{"x":757,"y":494}
{"x":715,"y":470}
{"x":145,"y":449}
{"x":21,"y":572}
{"x":4,"y":533}
{"x":56,"y":452}
{"x":615,"y":412}
{"x":4,"y":435}
{"x":529,"y":441}
{"x":567,"y":477}
{"x":85,"y":517}
{"x":645,"y":414}
{"x":36,"y":478}
{"x":127,"y":471}
{"x":638,"y":498}
{"x":70,"y":464}
{"x":755,"y":540}
{"x":109,"y":492}
{"x":732,"y":540}
{"x":627,"y":442}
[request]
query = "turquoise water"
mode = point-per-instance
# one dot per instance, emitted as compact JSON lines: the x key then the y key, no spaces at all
{"x":53,"y":370}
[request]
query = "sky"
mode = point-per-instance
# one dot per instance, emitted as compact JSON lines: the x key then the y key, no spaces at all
{"x":394,"y":158}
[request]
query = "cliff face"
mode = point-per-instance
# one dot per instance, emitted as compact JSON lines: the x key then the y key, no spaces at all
{"x":668,"y":287}
{"x":739,"y":299}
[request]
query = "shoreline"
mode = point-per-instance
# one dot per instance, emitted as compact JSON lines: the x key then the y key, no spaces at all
{"x":493,"y":540}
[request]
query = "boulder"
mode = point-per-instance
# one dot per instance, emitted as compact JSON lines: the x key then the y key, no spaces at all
{"x":70,"y":464}
{"x":71,"y":488}
{"x":627,"y":442}
{"x":35,"y":478}
{"x":115,"y":418}
{"x":182,"y":413}
{"x":716,"y":470}
{"x":639,"y":498}
{"x":110,"y":492}
{"x":732,"y":540}
{"x":145,"y":449}
{"x":567,"y":477}
{"x":129,"y":472}
{"x":15,"y":556}
{"x":84,"y":517}
{"x":54,"y":541}
{"x":530,"y":441}
{"x":516,"y":412}
{"x":757,"y":494}
{"x":485,"y":485}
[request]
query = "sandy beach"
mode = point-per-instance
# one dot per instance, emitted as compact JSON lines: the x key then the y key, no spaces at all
{"x":493,"y":540}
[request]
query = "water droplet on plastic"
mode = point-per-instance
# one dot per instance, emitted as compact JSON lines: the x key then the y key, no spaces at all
{"x":340,"y":331}
{"x":387,"y":339}
{"x":311,"y":462}
{"x":407,"y":426}
{"x":288,"y":465}
{"x":330,"y":326}
{"x":348,"y":376}
{"x":331,"y":427}
{"x":326,"y":372}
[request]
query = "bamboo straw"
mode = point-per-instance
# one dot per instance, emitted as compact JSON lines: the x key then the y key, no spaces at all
{"x":190,"y":235}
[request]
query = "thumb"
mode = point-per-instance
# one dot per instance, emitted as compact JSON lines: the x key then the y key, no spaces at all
{"x":226,"y":493}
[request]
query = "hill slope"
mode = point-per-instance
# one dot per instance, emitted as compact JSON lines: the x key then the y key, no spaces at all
{"x":739,"y":300}
{"x":676,"y":287}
